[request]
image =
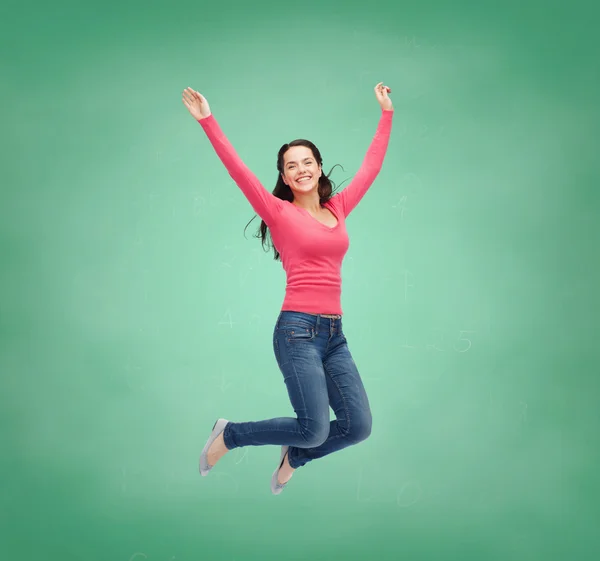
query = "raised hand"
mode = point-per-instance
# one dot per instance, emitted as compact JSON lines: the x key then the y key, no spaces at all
{"x":381,"y":93}
{"x":196,"y":103}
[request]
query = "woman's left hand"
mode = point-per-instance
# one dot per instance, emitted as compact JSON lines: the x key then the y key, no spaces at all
{"x":381,"y":93}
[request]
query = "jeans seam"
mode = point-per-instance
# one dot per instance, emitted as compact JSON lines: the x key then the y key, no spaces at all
{"x":346,"y":408}
{"x":299,"y":386}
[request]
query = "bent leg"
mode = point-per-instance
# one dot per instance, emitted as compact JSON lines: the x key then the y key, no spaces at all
{"x":349,"y":401}
{"x":304,"y":376}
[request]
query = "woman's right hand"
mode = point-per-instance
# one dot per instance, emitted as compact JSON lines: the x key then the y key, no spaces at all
{"x":381,"y":93}
{"x":196,"y":104}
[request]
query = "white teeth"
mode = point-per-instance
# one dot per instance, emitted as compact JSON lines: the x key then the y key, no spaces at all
{"x":303,"y":179}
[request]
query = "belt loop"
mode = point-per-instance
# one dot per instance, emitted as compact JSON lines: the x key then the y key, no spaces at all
{"x":317,"y":324}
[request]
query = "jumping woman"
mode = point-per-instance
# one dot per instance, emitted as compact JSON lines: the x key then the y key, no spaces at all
{"x":308,"y":231}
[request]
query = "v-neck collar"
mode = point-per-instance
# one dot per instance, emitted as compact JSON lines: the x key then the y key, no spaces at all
{"x":330,"y":228}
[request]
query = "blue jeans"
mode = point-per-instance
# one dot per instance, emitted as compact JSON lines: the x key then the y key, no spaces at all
{"x":318,"y":370}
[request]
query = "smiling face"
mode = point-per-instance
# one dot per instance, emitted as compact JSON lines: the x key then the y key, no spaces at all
{"x":300,"y":169}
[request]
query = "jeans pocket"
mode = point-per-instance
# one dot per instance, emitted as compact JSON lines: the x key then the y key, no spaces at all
{"x":298,"y":333}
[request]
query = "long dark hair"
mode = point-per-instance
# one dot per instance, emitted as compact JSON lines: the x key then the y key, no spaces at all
{"x":282,"y":191}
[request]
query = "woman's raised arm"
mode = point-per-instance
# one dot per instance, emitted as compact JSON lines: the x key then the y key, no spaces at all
{"x":265,"y":204}
{"x":349,"y":197}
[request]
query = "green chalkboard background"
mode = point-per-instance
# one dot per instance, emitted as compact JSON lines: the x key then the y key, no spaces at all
{"x":134,"y":312}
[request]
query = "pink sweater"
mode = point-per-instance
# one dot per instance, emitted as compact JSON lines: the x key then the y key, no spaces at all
{"x":311,"y":253}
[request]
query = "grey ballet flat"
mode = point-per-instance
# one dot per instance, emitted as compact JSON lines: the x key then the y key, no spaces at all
{"x":218,"y":428}
{"x":277,"y":487}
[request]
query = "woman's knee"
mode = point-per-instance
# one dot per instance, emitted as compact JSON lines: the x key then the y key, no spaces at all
{"x":316,"y":434}
{"x":361,"y":426}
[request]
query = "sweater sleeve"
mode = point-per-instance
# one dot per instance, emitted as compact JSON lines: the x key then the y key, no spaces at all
{"x":265,"y":204}
{"x":371,"y":165}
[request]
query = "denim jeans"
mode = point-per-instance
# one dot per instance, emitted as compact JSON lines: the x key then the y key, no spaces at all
{"x":319,"y":372}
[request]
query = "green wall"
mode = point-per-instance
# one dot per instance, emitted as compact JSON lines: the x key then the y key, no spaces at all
{"x":134,"y":312}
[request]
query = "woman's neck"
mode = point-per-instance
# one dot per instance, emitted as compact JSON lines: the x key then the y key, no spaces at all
{"x":308,"y":202}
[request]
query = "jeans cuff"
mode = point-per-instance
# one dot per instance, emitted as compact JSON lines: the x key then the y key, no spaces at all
{"x":291,"y":460}
{"x":228,"y":438}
